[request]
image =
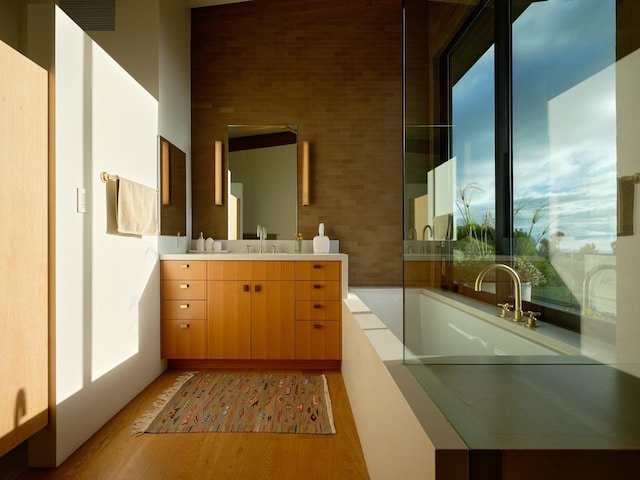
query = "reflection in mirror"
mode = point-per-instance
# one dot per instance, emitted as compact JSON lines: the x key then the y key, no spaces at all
{"x":173,"y":196}
{"x":263,"y":181}
{"x":430,"y":181}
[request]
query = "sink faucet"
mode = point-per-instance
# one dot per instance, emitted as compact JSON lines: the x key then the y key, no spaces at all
{"x":423,"y":249}
{"x":517,"y":286}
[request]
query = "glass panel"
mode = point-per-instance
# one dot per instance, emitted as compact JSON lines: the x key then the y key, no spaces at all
{"x":564,"y":162}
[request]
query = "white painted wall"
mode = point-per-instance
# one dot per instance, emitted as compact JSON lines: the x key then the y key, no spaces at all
{"x":106,"y":344}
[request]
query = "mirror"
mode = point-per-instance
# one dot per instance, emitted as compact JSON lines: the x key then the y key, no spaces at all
{"x":173,"y":189}
{"x":263,"y":181}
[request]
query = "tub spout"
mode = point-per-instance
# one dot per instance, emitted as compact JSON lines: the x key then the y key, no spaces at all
{"x":517,"y":286}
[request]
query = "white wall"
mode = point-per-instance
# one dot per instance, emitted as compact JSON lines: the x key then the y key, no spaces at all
{"x":106,"y":343}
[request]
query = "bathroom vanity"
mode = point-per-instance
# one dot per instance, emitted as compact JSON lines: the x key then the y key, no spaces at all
{"x":252,"y":309}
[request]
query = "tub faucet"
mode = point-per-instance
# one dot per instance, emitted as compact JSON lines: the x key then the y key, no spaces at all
{"x":517,"y":286}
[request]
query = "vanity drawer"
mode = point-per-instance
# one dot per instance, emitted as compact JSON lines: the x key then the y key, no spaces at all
{"x":183,"y":270}
{"x":327,"y":270}
{"x":317,"y":341}
{"x":183,"y":339}
{"x":318,"y":290}
{"x":184,"y":309}
{"x":184,"y":289}
{"x":318,"y":310}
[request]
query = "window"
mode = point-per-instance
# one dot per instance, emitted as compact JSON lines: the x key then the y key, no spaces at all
{"x":533,"y":109}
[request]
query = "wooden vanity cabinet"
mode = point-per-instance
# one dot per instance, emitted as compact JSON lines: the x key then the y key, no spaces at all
{"x":318,"y":310}
{"x":250,"y":310}
{"x":183,"y":309}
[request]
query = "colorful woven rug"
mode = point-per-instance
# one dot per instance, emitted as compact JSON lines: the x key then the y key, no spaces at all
{"x":249,"y":402}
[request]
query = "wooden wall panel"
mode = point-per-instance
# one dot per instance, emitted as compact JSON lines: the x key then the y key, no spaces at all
{"x":23,"y":248}
{"x":334,"y":68}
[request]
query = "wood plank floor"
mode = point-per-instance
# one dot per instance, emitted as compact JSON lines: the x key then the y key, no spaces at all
{"x":113,"y":453}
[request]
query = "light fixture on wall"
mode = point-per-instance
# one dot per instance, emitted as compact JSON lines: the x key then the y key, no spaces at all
{"x":217,"y":155}
{"x":305,"y":172}
{"x":165,"y":171}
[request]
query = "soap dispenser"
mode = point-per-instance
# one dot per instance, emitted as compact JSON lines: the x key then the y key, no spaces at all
{"x":321,"y":241}
{"x":200,"y":243}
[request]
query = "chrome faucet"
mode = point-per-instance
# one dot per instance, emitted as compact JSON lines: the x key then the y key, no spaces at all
{"x":262,"y":235}
{"x":423,"y":249}
{"x":586,"y":284}
{"x":517,"y":285}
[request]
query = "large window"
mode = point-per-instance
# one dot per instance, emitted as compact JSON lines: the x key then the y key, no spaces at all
{"x":534,"y":138}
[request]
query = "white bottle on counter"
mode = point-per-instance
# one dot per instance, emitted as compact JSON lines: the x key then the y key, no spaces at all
{"x":200,"y":243}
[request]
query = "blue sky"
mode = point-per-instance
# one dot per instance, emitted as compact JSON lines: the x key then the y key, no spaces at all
{"x":564,"y":121}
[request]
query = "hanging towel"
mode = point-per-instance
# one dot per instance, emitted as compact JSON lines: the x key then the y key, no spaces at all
{"x":442,"y":227}
{"x":626,"y":200}
{"x":137,"y":208}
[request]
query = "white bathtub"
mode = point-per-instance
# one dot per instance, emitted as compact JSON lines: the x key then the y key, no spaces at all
{"x":439,"y":323}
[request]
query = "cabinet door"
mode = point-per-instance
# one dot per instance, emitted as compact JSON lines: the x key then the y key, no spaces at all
{"x":272,"y":330}
{"x":229,"y":319}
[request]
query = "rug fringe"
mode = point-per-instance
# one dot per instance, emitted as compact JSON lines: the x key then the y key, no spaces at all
{"x":328,"y":402}
{"x":143,"y":422}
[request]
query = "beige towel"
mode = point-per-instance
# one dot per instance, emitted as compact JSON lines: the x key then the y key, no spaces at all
{"x":137,"y":208}
{"x":442,"y":227}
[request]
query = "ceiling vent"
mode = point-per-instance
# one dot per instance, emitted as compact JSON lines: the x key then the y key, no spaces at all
{"x":91,"y":15}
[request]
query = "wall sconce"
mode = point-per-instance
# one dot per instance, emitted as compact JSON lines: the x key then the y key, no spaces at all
{"x":217,"y":155}
{"x":305,"y":172}
{"x":165,"y":171}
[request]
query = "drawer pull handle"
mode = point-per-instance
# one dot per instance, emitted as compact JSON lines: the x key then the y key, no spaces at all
{"x":184,"y":285}
{"x":317,"y":326}
{"x":256,"y":288}
{"x":317,"y":286}
{"x":315,"y":265}
{"x":317,"y":306}
{"x":245,"y":288}
{"x":184,"y":325}
{"x":184,"y":306}
{"x":184,"y":265}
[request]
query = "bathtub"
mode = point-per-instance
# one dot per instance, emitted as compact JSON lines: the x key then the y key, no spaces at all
{"x":438,"y":323}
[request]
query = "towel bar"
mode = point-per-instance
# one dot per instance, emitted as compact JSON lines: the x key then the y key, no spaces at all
{"x":105,"y":177}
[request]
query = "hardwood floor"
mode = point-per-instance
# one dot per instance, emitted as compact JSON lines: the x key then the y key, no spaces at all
{"x":113,"y":453}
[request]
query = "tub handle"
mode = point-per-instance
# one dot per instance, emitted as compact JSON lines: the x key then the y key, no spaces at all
{"x":532,"y":322}
{"x":505,"y":309}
